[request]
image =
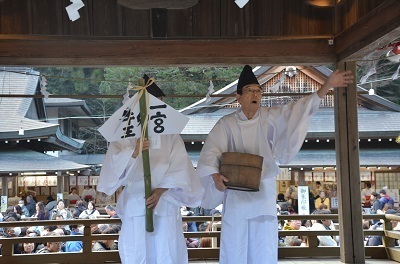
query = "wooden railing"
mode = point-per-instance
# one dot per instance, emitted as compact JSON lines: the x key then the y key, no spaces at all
{"x":388,"y":250}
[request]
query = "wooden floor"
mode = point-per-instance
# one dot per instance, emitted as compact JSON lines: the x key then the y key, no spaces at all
{"x":307,"y":261}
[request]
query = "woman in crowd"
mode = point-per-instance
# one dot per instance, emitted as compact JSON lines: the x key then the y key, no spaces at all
{"x":90,"y":212}
{"x":60,"y":210}
{"x":41,"y":212}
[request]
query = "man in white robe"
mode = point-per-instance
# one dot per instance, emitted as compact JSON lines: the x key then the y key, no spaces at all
{"x":174,"y":183}
{"x":249,"y":231}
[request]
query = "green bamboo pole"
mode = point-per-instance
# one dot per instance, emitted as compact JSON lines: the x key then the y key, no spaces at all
{"x":146,"y":162}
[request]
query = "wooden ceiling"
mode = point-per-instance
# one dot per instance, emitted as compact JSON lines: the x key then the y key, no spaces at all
{"x":211,"y":32}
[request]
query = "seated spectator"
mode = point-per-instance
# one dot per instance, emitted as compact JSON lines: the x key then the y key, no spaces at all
{"x":376,"y":204}
{"x":30,"y":205}
{"x":90,"y":212}
{"x":26,"y":248}
{"x":51,"y":203}
{"x":377,"y":240}
{"x":18,"y":211}
{"x":110,"y":210}
{"x":190,"y":242}
{"x":294,"y":240}
{"x":322,"y":199}
{"x":9,"y":213}
{"x":80,"y":206}
{"x":324,"y":225}
{"x":50,"y":247}
{"x":61,"y":210}
{"x":41,"y":212}
{"x":74,"y":246}
{"x":25,"y":211}
{"x":205,"y":242}
{"x":103,"y":245}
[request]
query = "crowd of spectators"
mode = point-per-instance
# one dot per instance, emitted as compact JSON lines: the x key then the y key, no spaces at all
{"x":28,"y":209}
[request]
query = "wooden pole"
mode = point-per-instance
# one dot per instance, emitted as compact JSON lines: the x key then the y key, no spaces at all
{"x":146,"y":161}
{"x":348,"y":169}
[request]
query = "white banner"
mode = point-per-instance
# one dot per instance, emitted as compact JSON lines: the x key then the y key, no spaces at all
{"x":30,"y":181}
{"x":330,"y":176}
{"x":41,"y":181}
{"x":318,"y":176}
{"x":51,"y":180}
{"x":284,"y":175}
{"x":308,"y":176}
{"x":83,"y":180}
{"x":126,"y":123}
{"x":303,"y":200}
{"x":4,"y":203}
{"x":72,"y":180}
{"x":94,"y":180}
{"x":365,"y":175}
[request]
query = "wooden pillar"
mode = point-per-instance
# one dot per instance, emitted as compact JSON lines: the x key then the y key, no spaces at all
{"x":302,"y":179}
{"x":348,"y":168}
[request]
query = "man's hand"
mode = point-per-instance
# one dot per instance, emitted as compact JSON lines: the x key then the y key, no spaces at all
{"x":146,"y":145}
{"x":219,"y":181}
{"x":152,"y":201}
{"x":337,"y":79}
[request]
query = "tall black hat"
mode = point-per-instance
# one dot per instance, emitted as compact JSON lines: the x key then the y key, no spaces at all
{"x":153,"y":88}
{"x":246,"y":77}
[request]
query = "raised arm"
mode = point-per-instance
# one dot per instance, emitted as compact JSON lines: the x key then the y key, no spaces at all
{"x":337,"y":79}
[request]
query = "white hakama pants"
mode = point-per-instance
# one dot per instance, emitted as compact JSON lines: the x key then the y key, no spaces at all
{"x":166,"y":245}
{"x":249,"y":241}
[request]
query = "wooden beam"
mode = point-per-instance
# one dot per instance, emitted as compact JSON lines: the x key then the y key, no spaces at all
{"x":374,"y":30}
{"x":348,"y":168}
{"x":107,"y":51}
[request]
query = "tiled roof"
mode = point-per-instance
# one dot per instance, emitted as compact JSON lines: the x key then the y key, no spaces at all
{"x":384,"y":122}
{"x":14,"y":110}
{"x":25,"y":160}
{"x":327,"y":157}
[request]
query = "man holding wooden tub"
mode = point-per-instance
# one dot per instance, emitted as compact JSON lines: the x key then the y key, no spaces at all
{"x":276,"y":134}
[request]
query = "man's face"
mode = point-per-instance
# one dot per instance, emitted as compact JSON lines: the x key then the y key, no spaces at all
{"x":250,"y":98}
{"x":295,"y":224}
{"x":54,"y":246}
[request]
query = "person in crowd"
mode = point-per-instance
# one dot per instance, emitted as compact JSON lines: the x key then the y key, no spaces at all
{"x":30,"y":205}
{"x":74,"y":246}
{"x":190,"y":242}
{"x":103,"y":245}
{"x":366,"y":194}
{"x":50,"y":247}
{"x":311,"y":202}
{"x":61,"y":210}
{"x":25,"y":210}
{"x":375,"y":203}
{"x":26,"y":248}
{"x":377,"y":240}
{"x":91,"y":212}
{"x":10,"y":213}
{"x":174,"y":184}
{"x":385,"y":199}
{"x":324,"y":225}
{"x":276,"y":134}
{"x":18,"y":211}
{"x":318,"y":189}
{"x":88,"y":194}
{"x":205,"y":242}
{"x":80,"y":206}
{"x":110,"y":210}
{"x":73,"y":196}
{"x":322,"y":199}
{"x":280,"y":199}
{"x":51,"y":203}
{"x":293,"y":241}
{"x":41,"y":212}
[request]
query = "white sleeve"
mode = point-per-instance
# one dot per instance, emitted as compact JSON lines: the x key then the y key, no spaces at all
{"x":209,"y":162}
{"x":112,"y":175}
{"x":290,"y":125}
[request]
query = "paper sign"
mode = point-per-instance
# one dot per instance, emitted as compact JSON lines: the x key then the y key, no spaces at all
{"x":72,"y":180}
{"x":83,"y":180}
{"x":3,"y":203}
{"x":51,"y":180}
{"x":318,"y":176}
{"x":330,"y":176}
{"x":303,"y":200}
{"x":308,"y":176}
{"x":126,"y":123}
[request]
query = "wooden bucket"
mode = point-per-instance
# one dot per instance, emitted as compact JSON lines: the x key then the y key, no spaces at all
{"x":242,"y":170}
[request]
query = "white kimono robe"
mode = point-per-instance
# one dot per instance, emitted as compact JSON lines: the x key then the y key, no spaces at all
{"x":249,"y":223}
{"x":170,"y":168}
